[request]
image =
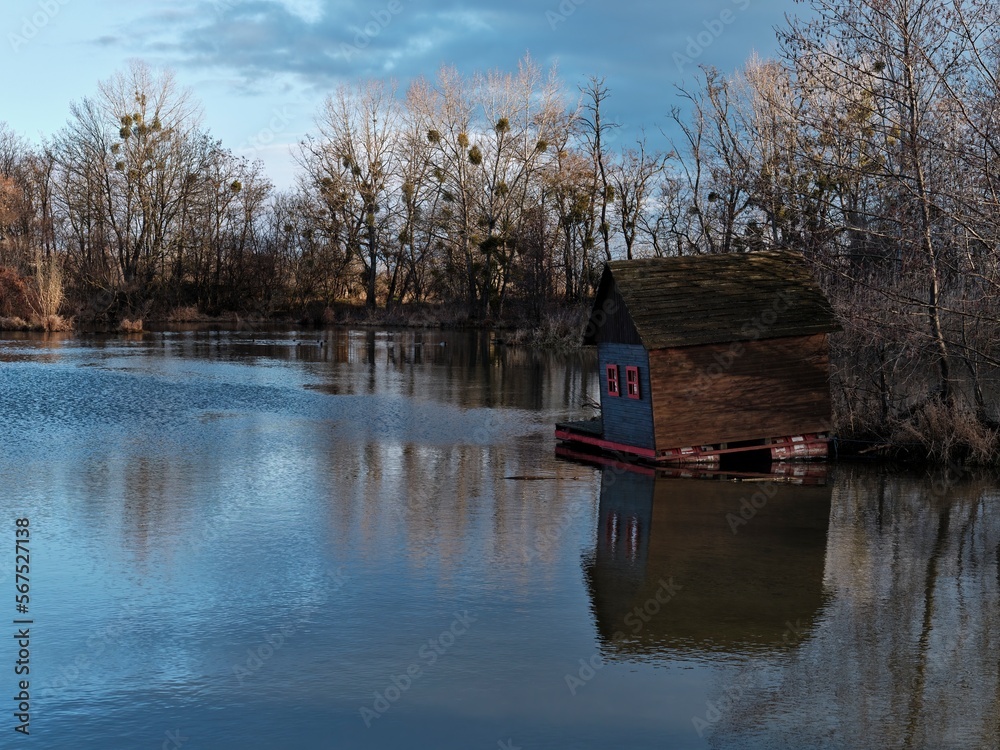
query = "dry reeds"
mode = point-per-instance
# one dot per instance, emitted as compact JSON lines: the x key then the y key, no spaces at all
{"x":54,"y":323}
{"x":185,"y":314}
{"x":50,"y":324}
{"x":48,"y":297}
{"x":948,"y":432}
{"x":559,"y":329}
{"x":32,"y":304}
{"x":14,"y":324}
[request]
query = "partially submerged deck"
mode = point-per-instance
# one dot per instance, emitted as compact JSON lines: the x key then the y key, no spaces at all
{"x":788,"y":472}
{"x":590,"y":433}
{"x":592,"y":427}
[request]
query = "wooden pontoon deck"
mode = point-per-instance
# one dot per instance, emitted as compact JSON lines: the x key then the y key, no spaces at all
{"x":590,"y":433}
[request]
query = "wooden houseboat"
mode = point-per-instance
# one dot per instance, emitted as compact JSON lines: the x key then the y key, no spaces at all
{"x":708,"y":355}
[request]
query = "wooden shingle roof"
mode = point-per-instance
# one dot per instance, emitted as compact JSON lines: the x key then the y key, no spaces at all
{"x":710,"y":299}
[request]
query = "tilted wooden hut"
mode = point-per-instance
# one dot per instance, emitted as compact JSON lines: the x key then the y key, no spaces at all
{"x":710,"y":354}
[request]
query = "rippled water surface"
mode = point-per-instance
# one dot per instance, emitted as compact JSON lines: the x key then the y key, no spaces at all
{"x":361,"y":539}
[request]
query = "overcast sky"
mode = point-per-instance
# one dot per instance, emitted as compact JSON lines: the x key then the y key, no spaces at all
{"x":261,"y":68}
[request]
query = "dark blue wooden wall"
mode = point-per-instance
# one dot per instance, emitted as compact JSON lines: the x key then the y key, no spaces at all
{"x":626,"y":420}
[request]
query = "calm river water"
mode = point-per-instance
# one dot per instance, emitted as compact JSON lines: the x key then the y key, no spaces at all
{"x":244,"y":541}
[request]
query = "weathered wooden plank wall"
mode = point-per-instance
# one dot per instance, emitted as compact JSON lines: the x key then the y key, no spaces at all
{"x":743,"y":391}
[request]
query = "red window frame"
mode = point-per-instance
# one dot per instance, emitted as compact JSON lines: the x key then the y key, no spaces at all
{"x":632,"y":382}
{"x":611,"y":373}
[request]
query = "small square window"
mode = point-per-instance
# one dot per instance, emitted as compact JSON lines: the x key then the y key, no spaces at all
{"x":632,"y":382}
{"x":612,"y":372}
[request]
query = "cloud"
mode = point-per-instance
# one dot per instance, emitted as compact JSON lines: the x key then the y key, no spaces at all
{"x":324,"y":42}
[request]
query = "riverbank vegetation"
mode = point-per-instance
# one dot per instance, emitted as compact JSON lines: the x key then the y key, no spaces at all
{"x":870,"y":144}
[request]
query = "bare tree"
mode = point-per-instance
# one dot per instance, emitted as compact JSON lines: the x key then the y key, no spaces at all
{"x":356,"y":149}
{"x":522,"y":115}
{"x":634,"y":179}
{"x":596,"y":130}
{"x":124,"y":159}
{"x":880,"y":49}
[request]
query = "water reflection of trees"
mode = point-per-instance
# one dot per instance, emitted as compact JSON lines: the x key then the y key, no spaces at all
{"x":433,"y":501}
{"x":463,"y":368}
{"x":907,"y":650}
{"x":418,"y":446}
{"x":43,"y":348}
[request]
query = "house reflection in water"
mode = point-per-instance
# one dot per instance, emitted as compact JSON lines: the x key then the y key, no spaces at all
{"x":859,"y":614}
{"x":691,"y":565}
